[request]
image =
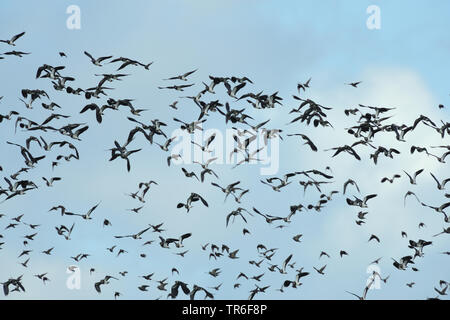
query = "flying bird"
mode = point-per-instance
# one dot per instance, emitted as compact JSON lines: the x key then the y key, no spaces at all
{"x":12,"y":41}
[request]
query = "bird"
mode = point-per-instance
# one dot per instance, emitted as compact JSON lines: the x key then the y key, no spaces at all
{"x":269,"y":218}
{"x":178,"y":87}
{"x":354,"y":84}
{"x":370,"y":282}
{"x":122,"y":152}
{"x":165,"y":146}
{"x":193,"y":197}
{"x":164,"y":243}
{"x":103,"y":281}
{"x":208,"y":141}
{"x":214,"y":272}
{"x":49,"y":182}
{"x":282,"y":270}
{"x":12,"y":41}
{"x":182,"y":77}
{"x":143,"y":287}
{"x":48,"y":251}
{"x":377,"y":261}
{"x":43,"y":277}
{"x":233,"y":254}
{"x":98,"y":110}
{"x":173,"y":105}
{"x":440,"y":184}
{"x":402,"y":264}
{"x":321,"y":270}
{"x":307,"y":141}
{"x":236,"y":213}
{"x":97,"y":61}
{"x":136,"y":236}
{"x":189,"y":174}
{"x":135,"y":210}
{"x":410,"y":193}
{"x":360,"y":203}
{"x":442,"y":292}
{"x":16,"y":282}
{"x":303,"y":86}
{"x":87,"y":215}
{"x":352,"y":182}
{"x":182,"y":254}
{"x":391,"y":180}
{"x":412,"y":179}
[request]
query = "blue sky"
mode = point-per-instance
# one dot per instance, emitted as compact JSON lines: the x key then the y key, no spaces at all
{"x":404,"y":65}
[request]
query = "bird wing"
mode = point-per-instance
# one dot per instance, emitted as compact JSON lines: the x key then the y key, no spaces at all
{"x":89,"y":55}
{"x":143,"y":231}
{"x":17,"y":36}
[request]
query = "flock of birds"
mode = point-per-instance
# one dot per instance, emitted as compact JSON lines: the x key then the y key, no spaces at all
{"x":38,"y":147}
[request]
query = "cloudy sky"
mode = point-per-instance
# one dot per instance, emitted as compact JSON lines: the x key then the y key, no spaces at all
{"x":403,"y":64}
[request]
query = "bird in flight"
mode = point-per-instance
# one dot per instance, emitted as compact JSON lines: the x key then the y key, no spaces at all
{"x":12,"y":41}
{"x":183,"y":76}
{"x":354,"y":84}
{"x":97,"y":61}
